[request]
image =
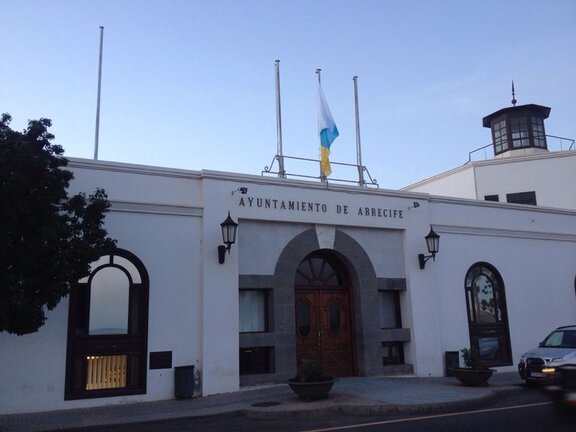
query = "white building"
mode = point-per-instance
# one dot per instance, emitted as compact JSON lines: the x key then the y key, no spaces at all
{"x":317,"y":271}
{"x":522,"y":171}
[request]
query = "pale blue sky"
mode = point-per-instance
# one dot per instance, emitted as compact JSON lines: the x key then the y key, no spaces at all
{"x":190,"y":83}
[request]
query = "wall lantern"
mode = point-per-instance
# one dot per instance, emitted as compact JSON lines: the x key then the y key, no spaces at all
{"x":433,"y":244}
{"x":229,"y":228}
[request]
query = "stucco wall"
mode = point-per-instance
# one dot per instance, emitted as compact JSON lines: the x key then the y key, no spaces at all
{"x":550,"y":177}
{"x":160,"y":226}
{"x":170,"y":219}
{"x":459,"y":182}
{"x":535,"y":254}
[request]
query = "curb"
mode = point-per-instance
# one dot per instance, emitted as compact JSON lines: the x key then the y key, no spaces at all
{"x":268,"y":405}
{"x":346,"y":405}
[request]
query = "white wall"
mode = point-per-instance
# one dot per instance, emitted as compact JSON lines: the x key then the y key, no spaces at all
{"x":534,"y":252}
{"x":171,"y":221}
{"x":220,"y":323}
{"x":136,"y":183}
{"x":34,"y":366}
{"x":458,"y":182}
{"x":552,"y":178}
{"x":162,"y":227}
{"x":550,"y":175}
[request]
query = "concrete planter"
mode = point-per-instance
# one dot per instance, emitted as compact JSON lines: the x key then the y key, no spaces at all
{"x":472,"y":377}
{"x":311,"y":391}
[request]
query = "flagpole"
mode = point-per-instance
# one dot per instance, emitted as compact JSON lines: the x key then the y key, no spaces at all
{"x":98,"y":96}
{"x":279,"y":154}
{"x":322,"y":176}
{"x":361,"y":181}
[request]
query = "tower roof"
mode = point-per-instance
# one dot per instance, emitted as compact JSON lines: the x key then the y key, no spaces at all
{"x":539,"y":110}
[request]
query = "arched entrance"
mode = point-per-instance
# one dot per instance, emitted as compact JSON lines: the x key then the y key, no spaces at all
{"x":324,"y":314}
{"x":488,"y":315}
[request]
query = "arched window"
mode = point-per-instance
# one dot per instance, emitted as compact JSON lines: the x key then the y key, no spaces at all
{"x":108,"y":329}
{"x":487,"y":315}
{"x":318,"y":271}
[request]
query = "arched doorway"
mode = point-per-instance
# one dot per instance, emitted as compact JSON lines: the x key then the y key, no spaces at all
{"x":488,"y":315}
{"x":324,"y":314}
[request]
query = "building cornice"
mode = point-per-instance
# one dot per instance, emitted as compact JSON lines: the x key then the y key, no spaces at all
{"x":436,"y":199}
{"x":238,"y":178}
{"x":152,"y":208}
{"x":490,"y":162}
{"x":132,"y":168}
{"x":508,"y":233}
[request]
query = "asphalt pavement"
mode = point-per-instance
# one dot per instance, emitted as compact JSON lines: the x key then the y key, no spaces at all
{"x":405,"y":395}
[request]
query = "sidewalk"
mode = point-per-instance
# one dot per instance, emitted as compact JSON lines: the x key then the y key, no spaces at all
{"x":358,"y":395}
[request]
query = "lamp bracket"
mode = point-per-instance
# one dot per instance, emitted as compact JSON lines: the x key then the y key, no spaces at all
{"x":422,"y":260}
{"x":222,"y":253}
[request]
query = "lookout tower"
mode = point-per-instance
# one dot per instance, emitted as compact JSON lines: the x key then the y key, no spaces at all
{"x":518,"y":130}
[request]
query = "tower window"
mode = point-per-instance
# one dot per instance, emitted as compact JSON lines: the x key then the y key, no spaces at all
{"x":500,"y":137}
{"x":520,"y":134}
{"x":538,"y":132}
{"x":518,"y":127}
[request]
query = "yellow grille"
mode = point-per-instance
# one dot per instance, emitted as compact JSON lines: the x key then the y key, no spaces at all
{"x":106,"y":372}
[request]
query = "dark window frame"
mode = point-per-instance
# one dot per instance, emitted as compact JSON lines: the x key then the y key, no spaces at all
{"x":393,"y":344}
{"x":526,"y":198}
{"x":397,"y":309}
{"x":320,"y":271}
{"x":538,"y":132}
{"x":500,"y":136}
{"x":510,"y":136}
{"x":134,"y":344}
{"x":267,"y":309}
{"x":264,"y":364}
{"x":499,"y":329}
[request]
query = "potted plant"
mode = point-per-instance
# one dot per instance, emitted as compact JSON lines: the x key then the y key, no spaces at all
{"x":474,"y":373}
{"x":311,"y":383}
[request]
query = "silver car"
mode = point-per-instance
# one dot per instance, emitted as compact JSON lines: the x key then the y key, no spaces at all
{"x":541,"y":364}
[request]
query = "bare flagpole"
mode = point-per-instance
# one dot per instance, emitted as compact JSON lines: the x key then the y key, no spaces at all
{"x":279,"y":154}
{"x":361,"y":181}
{"x":98,"y":96}
{"x":322,"y":176}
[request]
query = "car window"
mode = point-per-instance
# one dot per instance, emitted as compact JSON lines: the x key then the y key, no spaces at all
{"x":569,"y":340}
{"x":561,"y":339}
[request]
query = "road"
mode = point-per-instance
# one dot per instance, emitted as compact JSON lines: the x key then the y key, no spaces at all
{"x":531,"y":410}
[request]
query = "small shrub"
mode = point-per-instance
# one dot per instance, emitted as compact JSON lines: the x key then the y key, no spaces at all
{"x":471,"y":358}
{"x":311,"y":371}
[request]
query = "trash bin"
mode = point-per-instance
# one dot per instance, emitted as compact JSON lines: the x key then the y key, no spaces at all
{"x":183,"y":382}
{"x":451,"y":360}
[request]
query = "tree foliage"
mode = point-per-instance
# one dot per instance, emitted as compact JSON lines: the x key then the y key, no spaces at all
{"x":47,"y":238}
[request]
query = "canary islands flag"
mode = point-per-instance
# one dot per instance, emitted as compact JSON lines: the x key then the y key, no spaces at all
{"x":327,"y":130}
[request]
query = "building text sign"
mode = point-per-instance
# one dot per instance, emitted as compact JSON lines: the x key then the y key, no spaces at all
{"x":319,"y":207}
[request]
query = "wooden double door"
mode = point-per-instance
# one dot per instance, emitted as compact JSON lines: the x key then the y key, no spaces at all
{"x":324,"y":317}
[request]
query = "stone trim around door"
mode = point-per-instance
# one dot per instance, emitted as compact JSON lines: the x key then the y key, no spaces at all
{"x":280,"y":337}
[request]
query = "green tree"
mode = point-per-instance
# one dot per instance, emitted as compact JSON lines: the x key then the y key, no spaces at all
{"x":47,"y":238}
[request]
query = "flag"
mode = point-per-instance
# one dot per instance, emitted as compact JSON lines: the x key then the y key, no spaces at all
{"x":327,"y":130}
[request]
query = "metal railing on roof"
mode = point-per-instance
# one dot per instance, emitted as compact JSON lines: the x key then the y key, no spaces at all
{"x":561,"y":143}
{"x":360,"y":169}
